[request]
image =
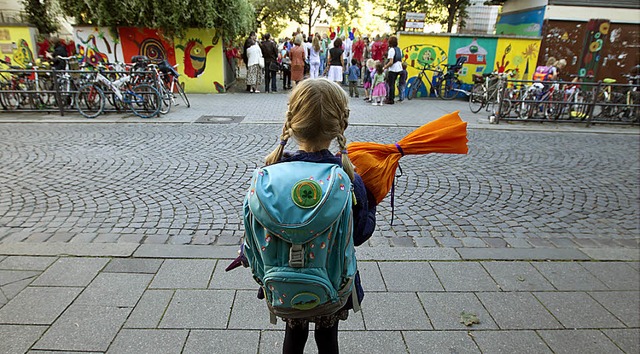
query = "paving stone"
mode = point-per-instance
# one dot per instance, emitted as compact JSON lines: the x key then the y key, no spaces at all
{"x":26,"y":263}
{"x":222,"y":341}
{"x":444,"y":310}
{"x":150,"y":309}
{"x":404,"y":254}
{"x":615,"y":275}
{"x":370,"y":277}
{"x":67,"y":249}
{"x":148,"y":341}
{"x":184,"y":274}
{"x":84,"y":328}
{"x":579,"y":341}
{"x":12,"y":276}
{"x":569,"y":276}
{"x":521,"y":342}
{"x":507,"y":254}
{"x":439,"y":342}
{"x":36,"y":305}
{"x":18,"y":339}
{"x":200,"y":309}
{"x":71,"y":272}
{"x":239,"y":278}
{"x":612,"y":254}
{"x":248,"y":311}
{"x":133,"y":265}
{"x":577,"y":310}
{"x":626,"y":339}
{"x":409,"y":276}
{"x":131,"y":238}
{"x":115,"y":289}
{"x":517,"y":310}
{"x":473,"y":242}
{"x":463,"y":276}
{"x":619,"y":303}
{"x":12,"y":289}
{"x":382,"y":342}
{"x":517,"y":276}
{"x":186,"y":251}
{"x":379,"y":314}
{"x":271,"y":341}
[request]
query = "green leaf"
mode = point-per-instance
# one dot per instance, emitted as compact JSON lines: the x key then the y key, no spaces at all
{"x":468,"y":318}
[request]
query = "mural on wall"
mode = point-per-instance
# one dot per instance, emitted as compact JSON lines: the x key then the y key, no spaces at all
{"x":148,"y":42}
{"x":480,"y":54}
{"x":16,"y":45}
{"x":521,"y":23}
{"x":420,"y":51}
{"x":566,"y":40}
{"x":97,"y":44}
{"x":590,"y":59}
{"x":519,"y":55}
{"x":195,"y":57}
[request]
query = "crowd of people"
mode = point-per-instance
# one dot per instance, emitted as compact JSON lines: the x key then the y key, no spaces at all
{"x":357,"y":62}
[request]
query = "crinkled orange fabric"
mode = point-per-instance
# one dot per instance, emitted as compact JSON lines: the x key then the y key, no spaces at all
{"x":376,"y":163}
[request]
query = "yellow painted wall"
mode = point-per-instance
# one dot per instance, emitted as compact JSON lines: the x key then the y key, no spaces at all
{"x":516,"y":53}
{"x":423,"y":49}
{"x":18,"y":44}
{"x":200,"y":76}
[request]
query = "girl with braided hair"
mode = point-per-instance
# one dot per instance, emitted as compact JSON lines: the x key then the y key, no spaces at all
{"x":318,"y":114}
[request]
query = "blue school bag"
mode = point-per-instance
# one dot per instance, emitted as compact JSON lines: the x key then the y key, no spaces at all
{"x":298,"y":238}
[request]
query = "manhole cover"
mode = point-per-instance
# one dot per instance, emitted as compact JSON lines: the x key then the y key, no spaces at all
{"x":219,"y":119}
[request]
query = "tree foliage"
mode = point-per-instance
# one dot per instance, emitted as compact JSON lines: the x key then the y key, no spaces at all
{"x":448,"y":12}
{"x":232,"y":17}
{"x":274,"y":15}
{"x":40,"y":14}
{"x":445,"y":12}
{"x":395,"y":12}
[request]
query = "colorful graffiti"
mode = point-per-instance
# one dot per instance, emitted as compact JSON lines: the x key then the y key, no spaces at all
{"x":521,"y":23}
{"x":590,"y":59}
{"x":195,"y":57}
{"x":484,"y":54}
{"x":97,"y":44}
{"x":16,"y":45}
{"x":148,"y":42}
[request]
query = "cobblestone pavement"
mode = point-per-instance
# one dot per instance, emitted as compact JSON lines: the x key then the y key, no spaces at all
{"x":184,"y":184}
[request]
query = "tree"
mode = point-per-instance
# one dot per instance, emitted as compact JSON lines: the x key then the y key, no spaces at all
{"x":447,"y":12}
{"x":40,"y":14}
{"x":274,"y":15}
{"x":395,"y":12}
{"x":232,"y":17}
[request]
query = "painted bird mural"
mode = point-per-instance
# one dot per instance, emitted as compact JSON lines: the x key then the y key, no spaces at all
{"x":195,"y":57}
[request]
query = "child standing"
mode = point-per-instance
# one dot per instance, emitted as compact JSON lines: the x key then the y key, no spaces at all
{"x":354,"y":74}
{"x":318,"y":114}
{"x":286,"y":70}
{"x":379,"y":86}
{"x":402,"y":81}
{"x":366,"y":82}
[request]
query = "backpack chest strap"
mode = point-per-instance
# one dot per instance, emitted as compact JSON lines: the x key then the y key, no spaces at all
{"x":296,"y":256}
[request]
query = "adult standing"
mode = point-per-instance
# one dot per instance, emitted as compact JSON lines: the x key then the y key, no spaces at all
{"x":324,"y":48}
{"x":247,"y":43}
{"x":376,"y":49}
{"x":394,"y":65}
{"x":270,"y":54}
{"x":336,"y":63}
{"x":254,"y":69}
{"x":358,"y":51}
{"x":297,"y":54}
{"x":314,"y":58}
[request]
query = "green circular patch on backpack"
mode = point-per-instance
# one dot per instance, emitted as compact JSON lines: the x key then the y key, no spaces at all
{"x":306,"y":193}
{"x":305,"y":301}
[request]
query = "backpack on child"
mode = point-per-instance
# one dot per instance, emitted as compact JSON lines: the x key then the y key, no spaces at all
{"x":298,"y":238}
{"x":543,"y":73}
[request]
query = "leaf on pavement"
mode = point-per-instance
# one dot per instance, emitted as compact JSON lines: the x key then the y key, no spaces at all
{"x":468,"y":318}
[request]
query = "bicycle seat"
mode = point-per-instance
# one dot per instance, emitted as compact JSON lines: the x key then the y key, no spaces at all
{"x":609,"y":80}
{"x":478,"y":78}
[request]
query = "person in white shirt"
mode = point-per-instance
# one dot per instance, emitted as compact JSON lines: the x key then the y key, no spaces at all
{"x":394,"y":65}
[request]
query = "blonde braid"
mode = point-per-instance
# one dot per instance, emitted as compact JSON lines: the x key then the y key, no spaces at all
{"x":276,"y":154}
{"x":347,"y":166}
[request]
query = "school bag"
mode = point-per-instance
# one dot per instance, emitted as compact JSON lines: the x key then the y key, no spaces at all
{"x":542,"y":73}
{"x":298,"y":238}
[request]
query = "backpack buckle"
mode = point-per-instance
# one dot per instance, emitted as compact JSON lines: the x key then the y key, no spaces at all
{"x":296,"y":256}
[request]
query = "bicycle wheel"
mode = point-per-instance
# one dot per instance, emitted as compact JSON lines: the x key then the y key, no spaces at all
{"x":447,"y":87}
{"x":10,"y":100}
{"x":90,"y":101}
{"x":166,"y":99}
{"x":144,"y":100}
{"x":178,"y":87}
{"x":415,"y":88}
{"x":477,"y":98}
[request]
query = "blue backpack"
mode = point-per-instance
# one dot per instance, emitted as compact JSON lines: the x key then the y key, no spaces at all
{"x":298,"y":238}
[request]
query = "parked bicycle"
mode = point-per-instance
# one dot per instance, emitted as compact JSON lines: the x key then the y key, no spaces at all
{"x":143,"y":99}
{"x":449,"y":85}
{"x":487,"y":92}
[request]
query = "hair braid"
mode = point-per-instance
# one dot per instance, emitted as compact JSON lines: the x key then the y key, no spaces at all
{"x":276,"y":154}
{"x":347,"y":166}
